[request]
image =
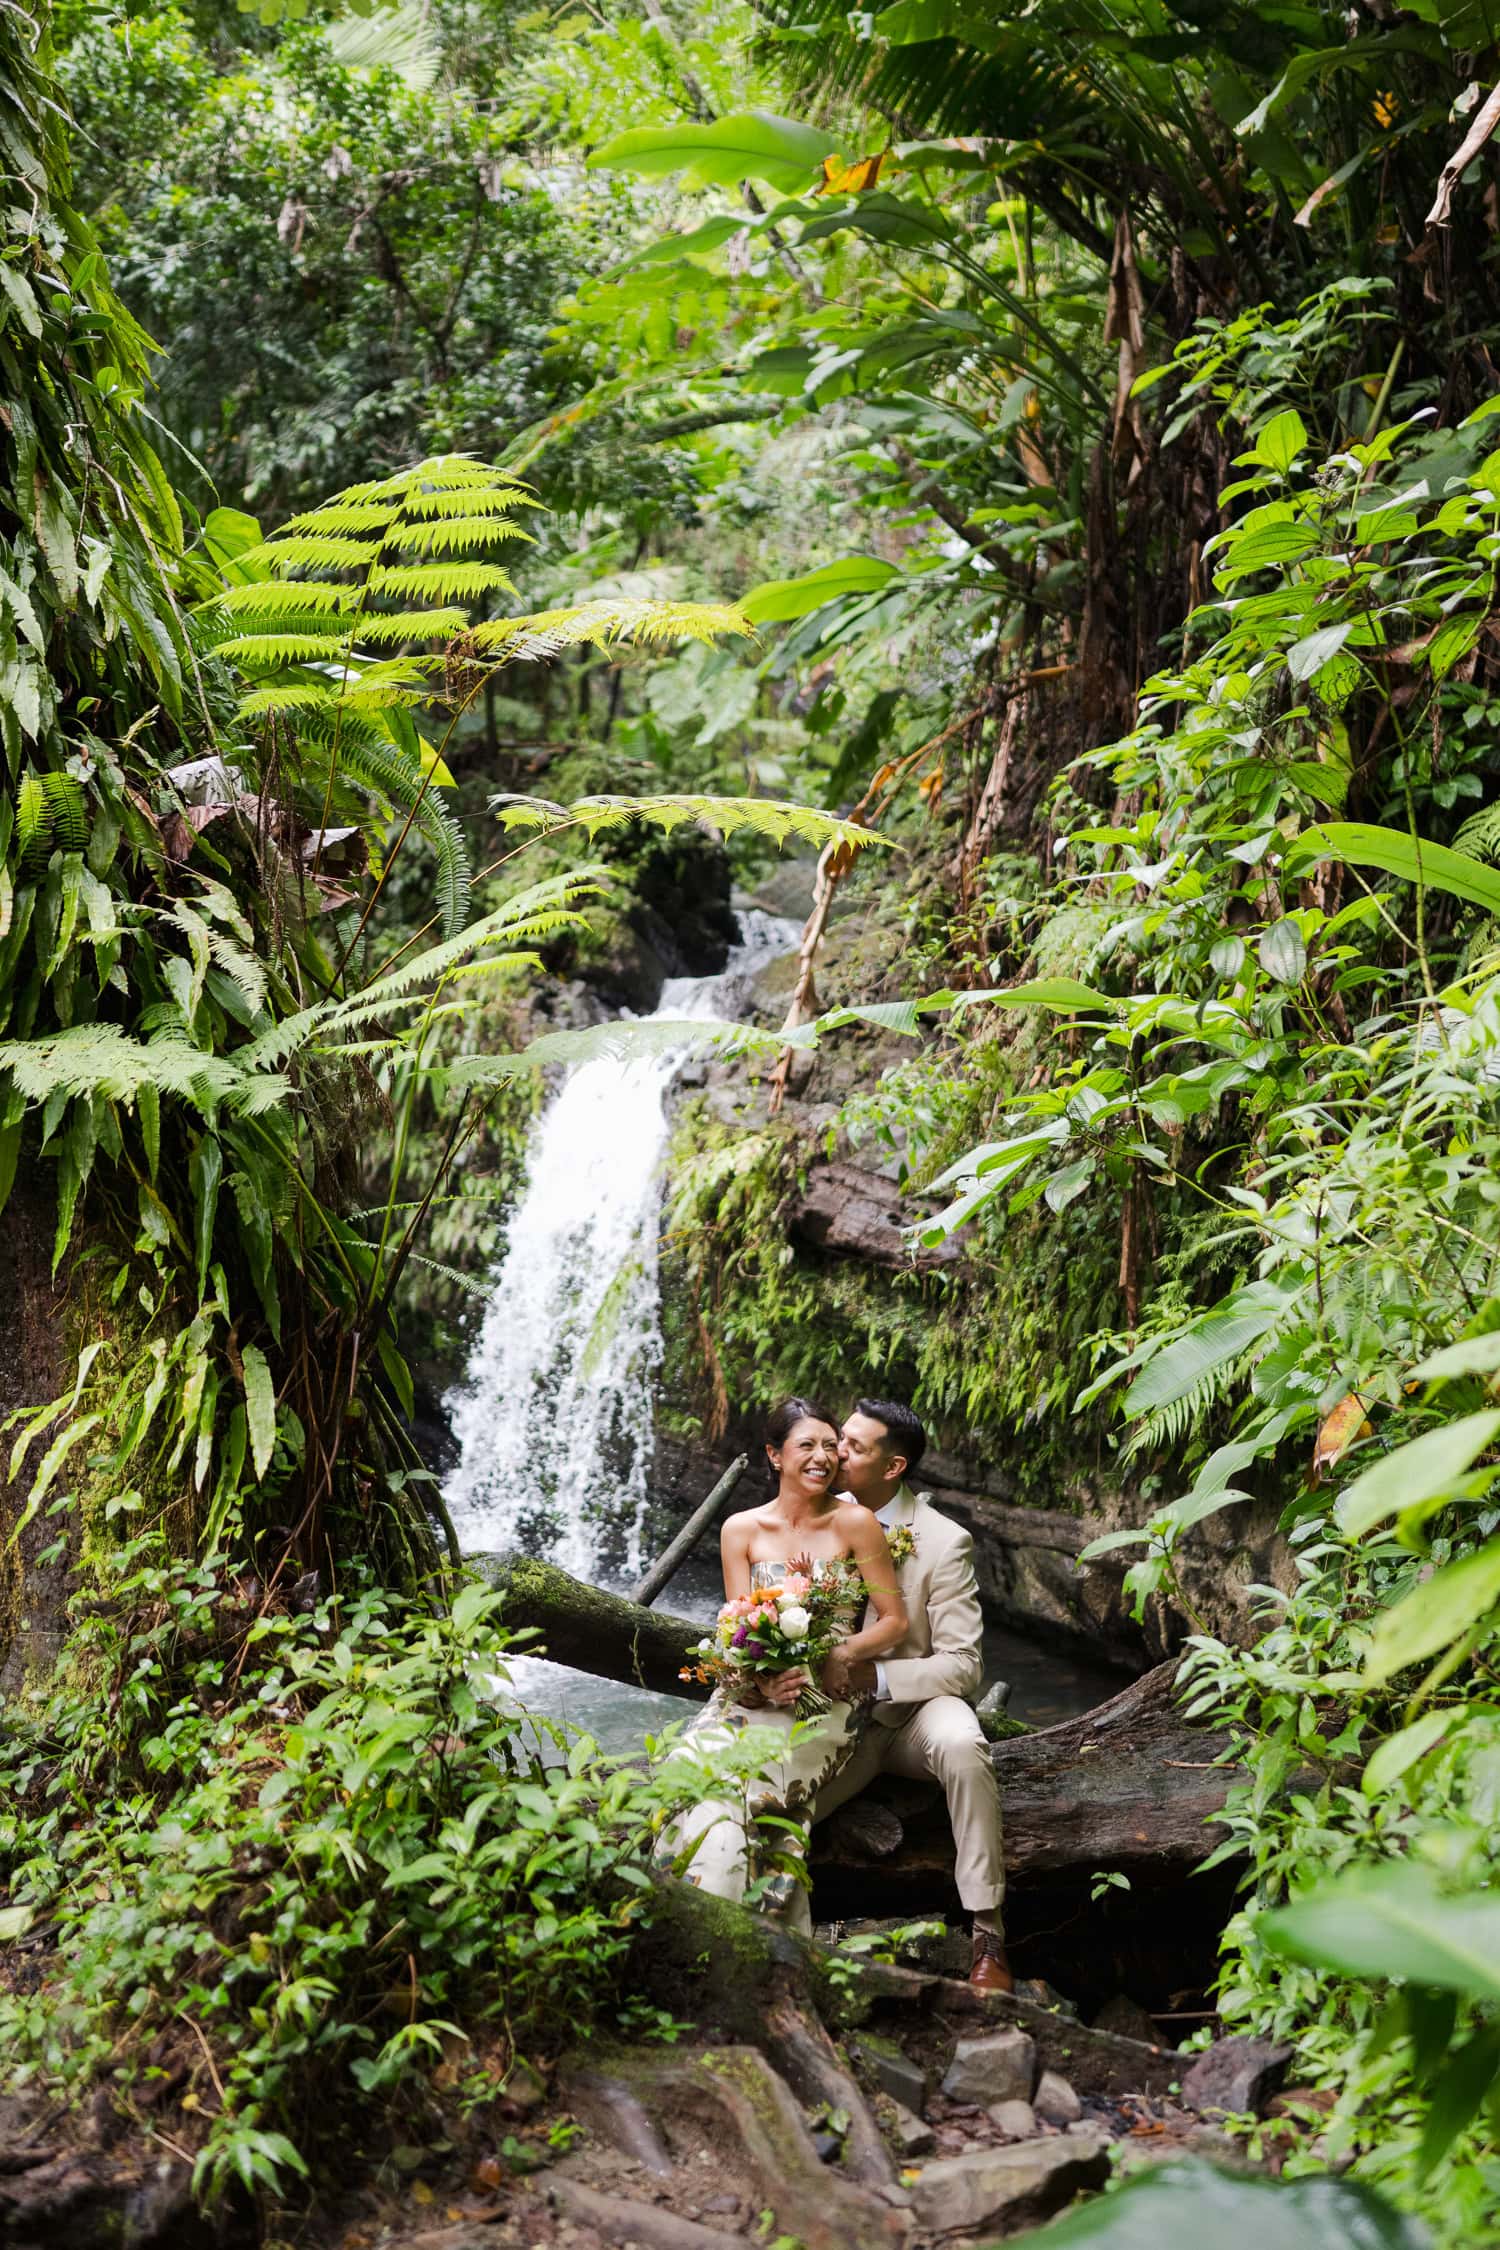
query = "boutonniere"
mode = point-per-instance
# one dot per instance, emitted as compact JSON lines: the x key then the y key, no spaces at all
{"x":902,"y":1541}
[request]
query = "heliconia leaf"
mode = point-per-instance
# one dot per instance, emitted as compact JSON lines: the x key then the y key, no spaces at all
{"x":1394,"y":852}
{"x":782,"y":598}
{"x":752,"y":146}
{"x":260,"y":1407}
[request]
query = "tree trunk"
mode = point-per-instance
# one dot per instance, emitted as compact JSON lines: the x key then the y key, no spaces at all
{"x":33,"y":1369}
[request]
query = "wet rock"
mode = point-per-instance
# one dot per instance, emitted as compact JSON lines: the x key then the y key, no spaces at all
{"x":893,"y":2071}
{"x":1235,"y":2076}
{"x":1016,"y":2120}
{"x":1041,"y":1994}
{"x":914,"y":2136}
{"x":862,"y":1215}
{"x":1127,"y":2018}
{"x":958,"y":2194}
{"x":866,"y":1829}
{"x":617,"y":2220}
{"x":995,"y":1721}
{"x":1055,"y":2101}
{"x":1001,"y":2067}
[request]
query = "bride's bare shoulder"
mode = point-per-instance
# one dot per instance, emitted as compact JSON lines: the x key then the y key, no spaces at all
{"x":857,"y":1522}
{"x":739,"y":1525}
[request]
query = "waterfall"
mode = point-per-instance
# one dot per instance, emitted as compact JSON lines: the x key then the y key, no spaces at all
{"x":554,"y":1417}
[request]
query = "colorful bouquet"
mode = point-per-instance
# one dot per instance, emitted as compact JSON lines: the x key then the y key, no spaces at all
{"x":778,"y":1628}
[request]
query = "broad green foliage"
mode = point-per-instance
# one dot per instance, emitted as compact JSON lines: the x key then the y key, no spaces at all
{"x":260,"y":1878}
{"x":1189,"y":2205}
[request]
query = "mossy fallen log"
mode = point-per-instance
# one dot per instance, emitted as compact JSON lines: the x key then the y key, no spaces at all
{"x":592,"y":1630}
{"x":1129,"y":1785}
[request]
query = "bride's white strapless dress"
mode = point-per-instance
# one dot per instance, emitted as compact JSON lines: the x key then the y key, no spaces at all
{"x":752,"y":1846}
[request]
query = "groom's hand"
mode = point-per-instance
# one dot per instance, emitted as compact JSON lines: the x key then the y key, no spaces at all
{"x":843,"y":1679}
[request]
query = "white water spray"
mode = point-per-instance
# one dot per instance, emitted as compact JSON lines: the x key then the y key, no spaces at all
{"x":554,"y":1418}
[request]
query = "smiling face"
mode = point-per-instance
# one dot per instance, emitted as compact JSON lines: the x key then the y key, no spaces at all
{"x":871,"y":1470}
{"x":807,"y":1460}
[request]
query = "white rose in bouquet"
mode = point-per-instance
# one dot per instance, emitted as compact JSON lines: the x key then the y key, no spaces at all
{"x":795,"y":1622}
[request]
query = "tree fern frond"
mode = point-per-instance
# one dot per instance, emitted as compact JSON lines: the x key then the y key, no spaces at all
{"x":343,"y":514}
{"x":374,"y":764}
{"x":442,"y":580}
{"x":725,"y":814}
{"x":272,"y":649}
{"x":1479,"y":836}
{"x":453,"y":471}
{"x":97,"y":1058}
{"x":273,"y":597}
{"x":414,"y":625}
{"x":314,"y":550}
{"x":471,"y":500}
{"x":438,"y":535}
{"x":524,"y":640}
{"x":286,"y":695}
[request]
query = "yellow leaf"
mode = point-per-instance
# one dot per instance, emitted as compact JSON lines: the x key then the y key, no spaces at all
{"x":421,"y":2192}
{"x":1339,"y":1429}
{"x":857,"y":178}
{"x":433,"y":764}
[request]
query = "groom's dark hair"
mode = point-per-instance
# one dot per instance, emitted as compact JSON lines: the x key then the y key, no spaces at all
{"x":904,"y":1434}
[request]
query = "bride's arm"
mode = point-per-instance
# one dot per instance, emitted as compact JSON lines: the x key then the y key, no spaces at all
{"x":867,"y":1544}
{"x":734,"y":1555}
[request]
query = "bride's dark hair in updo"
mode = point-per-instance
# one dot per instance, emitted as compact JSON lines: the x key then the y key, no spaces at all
{"x":780,"y":1423}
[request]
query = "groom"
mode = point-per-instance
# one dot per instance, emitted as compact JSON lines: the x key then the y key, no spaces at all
{"x":923,"y":1719}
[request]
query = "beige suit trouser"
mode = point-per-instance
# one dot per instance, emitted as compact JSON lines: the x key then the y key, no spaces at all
{"x":943,"y":1739}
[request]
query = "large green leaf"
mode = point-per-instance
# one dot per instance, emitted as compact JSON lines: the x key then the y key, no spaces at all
{"x":1435,"y":1616}
{"x":752,"y":146}
{"x":1394,"y":1921}
{"x":1176,"y":1371}
{"x":781,"y":598}
{"x":1192,"y":2206}
{"x":1361,"y":844}
{"x":1427,"y":1468}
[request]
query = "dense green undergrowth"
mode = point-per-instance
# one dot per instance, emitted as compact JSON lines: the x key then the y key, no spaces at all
{"x":294,"y":1874}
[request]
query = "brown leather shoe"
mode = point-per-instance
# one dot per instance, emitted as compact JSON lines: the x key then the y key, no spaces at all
{"x":991,"y":1969}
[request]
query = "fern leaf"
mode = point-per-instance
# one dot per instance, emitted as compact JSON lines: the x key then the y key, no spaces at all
{"x":414,"y":625}
{"x":346,"y":515}
{"x":1479,"y":836}
{"x":289,"y":695}
{"x":450,"y":471}
{"x":522,"y":640}
{"x":441,"y":535}
{"x":726,"y":814}
{"x":441,"y":580}
{"x":272,"y":649}
{"x":314,"y":550}
{"x":471,"y":501}
{"x":273,"y":597}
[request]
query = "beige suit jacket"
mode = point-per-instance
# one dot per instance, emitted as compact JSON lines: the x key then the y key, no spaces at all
{"x":941,"y":1653}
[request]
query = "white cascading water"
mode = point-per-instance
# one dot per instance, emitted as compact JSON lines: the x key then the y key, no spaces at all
{"x":554,"y":1417}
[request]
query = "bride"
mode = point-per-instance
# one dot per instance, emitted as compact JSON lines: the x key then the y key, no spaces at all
{"x":724,"y":1845}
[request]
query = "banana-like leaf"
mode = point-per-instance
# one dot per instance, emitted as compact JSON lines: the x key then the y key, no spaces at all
{"x":1193,"y":2206}
{"x":752,"y":146}
{"x":1394,"y":1921}
{"x":781,"y":598}
{"x":1362,"y":844}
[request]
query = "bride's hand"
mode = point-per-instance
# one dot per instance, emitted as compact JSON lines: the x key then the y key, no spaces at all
{"x":781,"y":1689}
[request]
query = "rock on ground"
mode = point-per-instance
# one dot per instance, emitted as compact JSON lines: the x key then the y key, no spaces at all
{"x":999,"y":2067}
{"x":988,"y":2185}
{"x":1016,"y":2120}
{"x":1235,"y":2076}
{"x":1055,"y":2101}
